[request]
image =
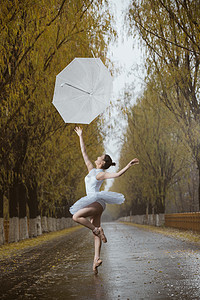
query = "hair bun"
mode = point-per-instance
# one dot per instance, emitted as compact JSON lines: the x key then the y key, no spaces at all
{"x":113,"y":164}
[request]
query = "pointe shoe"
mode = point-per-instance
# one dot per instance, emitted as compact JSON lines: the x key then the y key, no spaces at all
{"x":100,"y":233}
{"x":103,"y":237}
{"x":96,"y":264}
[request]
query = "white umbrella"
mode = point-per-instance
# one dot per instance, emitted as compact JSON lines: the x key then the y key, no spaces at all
{"x":82,"y":90}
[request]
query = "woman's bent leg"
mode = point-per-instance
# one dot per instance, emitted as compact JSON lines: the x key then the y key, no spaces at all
{"x":88,"y":211}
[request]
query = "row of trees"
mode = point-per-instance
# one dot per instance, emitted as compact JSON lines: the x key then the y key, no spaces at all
{"x":41,"y":168}
{"x":166,"y":180}
{"x":163,"y":127}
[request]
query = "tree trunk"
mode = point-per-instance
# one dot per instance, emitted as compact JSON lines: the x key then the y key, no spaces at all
{"x":1,"y":204}
{"x":35,"y":220}
{"x":13,"y":230}
{"x":39,"y":225}
{"x":23,"y":229}
{"x":198,"y":164}
{"x":50,"y":224}
{"x":2,"y":235}
{"x":62,"y":223}
{"x":54,"y":224}
{"x":13,"y":214}
{"x":44,"y":224}
{"x":23,"y":224}
{"x":160,"y":205}
{"x":32,"y":227}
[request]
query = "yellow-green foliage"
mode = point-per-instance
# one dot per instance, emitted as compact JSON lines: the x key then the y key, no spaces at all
{"x":170,"y":31}
{"x":163,"y":128}
{"x":38,"y":39}
{"x":154,"y":137}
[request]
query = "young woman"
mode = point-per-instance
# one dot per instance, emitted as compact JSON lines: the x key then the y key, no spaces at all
{"x":94,"y":203}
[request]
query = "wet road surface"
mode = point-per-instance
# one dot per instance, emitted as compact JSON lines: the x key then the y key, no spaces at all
{"x":137,"y":264}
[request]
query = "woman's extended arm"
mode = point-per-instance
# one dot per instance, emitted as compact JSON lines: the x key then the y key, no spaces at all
{"x":107,"y":175}
{"x":88,"y":163}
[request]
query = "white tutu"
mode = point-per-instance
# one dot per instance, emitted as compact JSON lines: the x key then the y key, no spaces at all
{"x":107,"y":197}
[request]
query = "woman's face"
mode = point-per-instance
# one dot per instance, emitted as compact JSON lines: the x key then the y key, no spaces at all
{"x":100,"y":161}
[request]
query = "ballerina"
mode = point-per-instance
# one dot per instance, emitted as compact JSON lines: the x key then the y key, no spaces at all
{"x":94,"y":203}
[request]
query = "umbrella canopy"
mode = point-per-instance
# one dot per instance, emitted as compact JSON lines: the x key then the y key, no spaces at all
{"x":82,"y":90}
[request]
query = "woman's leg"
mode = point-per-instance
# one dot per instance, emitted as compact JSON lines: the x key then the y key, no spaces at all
{"x":94,"y":211}
{"x":96,"y":221}
{"x":88,"y":211}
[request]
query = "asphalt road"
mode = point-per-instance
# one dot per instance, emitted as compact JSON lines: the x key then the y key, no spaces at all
{"x":137,"y":264}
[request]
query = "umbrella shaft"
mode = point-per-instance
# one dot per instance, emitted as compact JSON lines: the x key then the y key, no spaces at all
{"x":77,"y":88}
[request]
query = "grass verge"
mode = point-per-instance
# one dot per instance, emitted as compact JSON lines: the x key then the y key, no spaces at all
{"x":184,"y":235}
{"x":12,"y":249}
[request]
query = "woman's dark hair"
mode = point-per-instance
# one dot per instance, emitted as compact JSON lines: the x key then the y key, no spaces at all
{"x":108,"y":162}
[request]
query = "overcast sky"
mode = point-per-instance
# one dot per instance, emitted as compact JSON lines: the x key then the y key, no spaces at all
{"x":127,"y":58}
{"x":123,"y":54}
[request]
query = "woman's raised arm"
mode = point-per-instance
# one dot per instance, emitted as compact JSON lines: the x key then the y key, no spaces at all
{"x":107,"y":175}
{"x":88,"y":163}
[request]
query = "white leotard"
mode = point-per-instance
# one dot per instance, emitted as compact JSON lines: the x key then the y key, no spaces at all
{"x":94,"y":195}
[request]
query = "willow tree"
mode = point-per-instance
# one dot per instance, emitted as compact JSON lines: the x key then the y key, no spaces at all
{"x":37,"y":41}
{"x":170,"y":31}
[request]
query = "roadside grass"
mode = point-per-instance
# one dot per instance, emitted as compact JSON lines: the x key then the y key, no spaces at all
{"x":184,"y":235}
{"x":13,"y":249}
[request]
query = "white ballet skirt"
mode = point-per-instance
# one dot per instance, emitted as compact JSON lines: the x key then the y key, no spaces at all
{"x":94,"y":195}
